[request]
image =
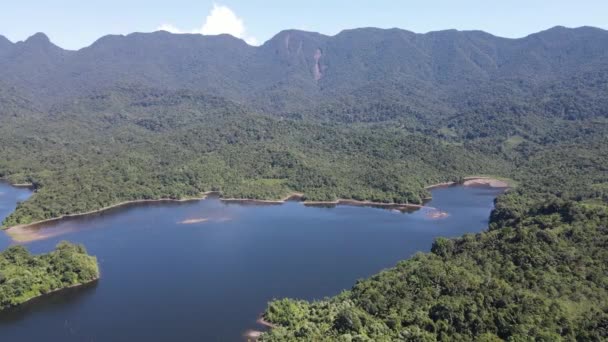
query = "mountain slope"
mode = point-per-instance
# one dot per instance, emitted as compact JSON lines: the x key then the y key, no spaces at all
{"x":303,"y":72}
{"x":142,"y":143}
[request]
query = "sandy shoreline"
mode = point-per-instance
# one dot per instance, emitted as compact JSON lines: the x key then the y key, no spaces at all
{"x":340,"y":201}
{"x":20,"y":233}
{"x":17,"y":185}
{"x":27,"y":233}
{"x":439,"y":185}
{"x":254,"y":335}
{"x":473,"y":181}
{"x":291,"y":196}
{"x":23,"y":185}
{"x":367,"y":204}
{"x":18,"y":229}
{"x":485,"y":181}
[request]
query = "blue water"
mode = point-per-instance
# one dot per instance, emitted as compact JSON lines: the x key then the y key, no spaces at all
{"x":9,"y":197}
{"x":166,"y":281}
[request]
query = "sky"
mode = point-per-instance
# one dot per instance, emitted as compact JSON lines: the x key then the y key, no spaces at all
{"x":73,"y":24}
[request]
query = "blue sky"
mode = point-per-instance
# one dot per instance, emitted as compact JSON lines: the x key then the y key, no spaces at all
{"x":77,"y":23}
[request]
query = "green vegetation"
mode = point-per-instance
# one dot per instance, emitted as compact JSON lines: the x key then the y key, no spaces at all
{"x":537,"y":275}
{"x":513,"y":141}
{"x":394,"y":111}
{"x":24,"y":276}
{"x":147,"y":144}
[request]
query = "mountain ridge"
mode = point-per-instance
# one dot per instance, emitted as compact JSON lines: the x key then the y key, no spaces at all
{"x":553,"y":28}
{"x":298,"y":72}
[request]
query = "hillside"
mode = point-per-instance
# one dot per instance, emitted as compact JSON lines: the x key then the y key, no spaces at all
{"x":539,"y":278}
{"x":296,"y":71}
{"x":134,"y":144}
{"x":376,"y":115}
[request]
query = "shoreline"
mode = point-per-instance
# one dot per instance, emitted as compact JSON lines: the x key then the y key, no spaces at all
{"x":340,"y":201}
{"x":440,"y":185}
{"x":358,"y":203}
{"x":17,"y":185}
{"x":15,"y":231}
{"x":97,"y":211}
{"x":254,"y":335}
{"x":53,"y":291}
{"x":474,"y":181}
{"x":291,"y":196}
{"x":486,"y":181}
{"x":23,"y":185}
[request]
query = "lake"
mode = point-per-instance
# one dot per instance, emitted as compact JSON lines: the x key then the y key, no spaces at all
{"x":162,"y":280}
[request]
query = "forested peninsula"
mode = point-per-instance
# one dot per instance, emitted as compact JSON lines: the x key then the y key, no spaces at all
{"x":24,"y":276}
{"x":538,"y":273}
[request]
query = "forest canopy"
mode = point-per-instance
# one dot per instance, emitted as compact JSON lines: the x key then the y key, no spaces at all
{"x":24,"y":276}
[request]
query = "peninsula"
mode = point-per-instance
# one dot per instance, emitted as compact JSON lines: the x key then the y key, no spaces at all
{"x":24,"y":276}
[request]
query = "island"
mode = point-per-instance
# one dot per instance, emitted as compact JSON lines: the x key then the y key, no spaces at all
{"x":24,"y":276}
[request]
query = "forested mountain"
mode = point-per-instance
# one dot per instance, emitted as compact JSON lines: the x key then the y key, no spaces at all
{"x":295,"y":71}
{"x":366,"y":114}
{"x":130,"y":144}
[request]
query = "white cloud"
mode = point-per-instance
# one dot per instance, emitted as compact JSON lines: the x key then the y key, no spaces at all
{"x":169,"y":28}
{"x":220,"y":20}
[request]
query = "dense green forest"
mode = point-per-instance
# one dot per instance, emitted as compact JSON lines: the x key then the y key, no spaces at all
{"x":24,"y":276}
{"x":539,"y":272}
{"x":147,"y":144}
{"x":156,"y":115}
{"x":135,"y":143}
{"x":540,"y":276}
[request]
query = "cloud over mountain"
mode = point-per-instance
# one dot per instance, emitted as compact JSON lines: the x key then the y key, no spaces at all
{"x":220,"y":20}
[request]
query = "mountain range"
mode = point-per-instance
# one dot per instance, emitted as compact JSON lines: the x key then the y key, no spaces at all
{"x":304,"y":73}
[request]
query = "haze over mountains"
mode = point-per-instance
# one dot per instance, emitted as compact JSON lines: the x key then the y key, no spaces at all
{"x":351,"y":76}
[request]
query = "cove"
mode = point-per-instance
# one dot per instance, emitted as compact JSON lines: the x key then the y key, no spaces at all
{"x":204,"y":270}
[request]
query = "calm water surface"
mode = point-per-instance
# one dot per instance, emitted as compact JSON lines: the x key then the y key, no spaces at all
{"x":209,"y":281}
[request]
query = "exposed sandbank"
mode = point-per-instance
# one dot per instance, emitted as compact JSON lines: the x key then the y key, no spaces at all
{"x":291,"y":196}
{"x":485,"y":181}
{"x":21,"y":231}
{"x":398,"y":206}
{"x":194,"y":220}
{"x":23,"y":185}
{"x":439,"y":185}
{"x":473,"y":181}
{"x":265,"y":323}
{"x":254,"y":335}
{"x":341,"y":201}
{"x":17,"y":185}
{"x":436,"y":214}
{"x":23,"y":234}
